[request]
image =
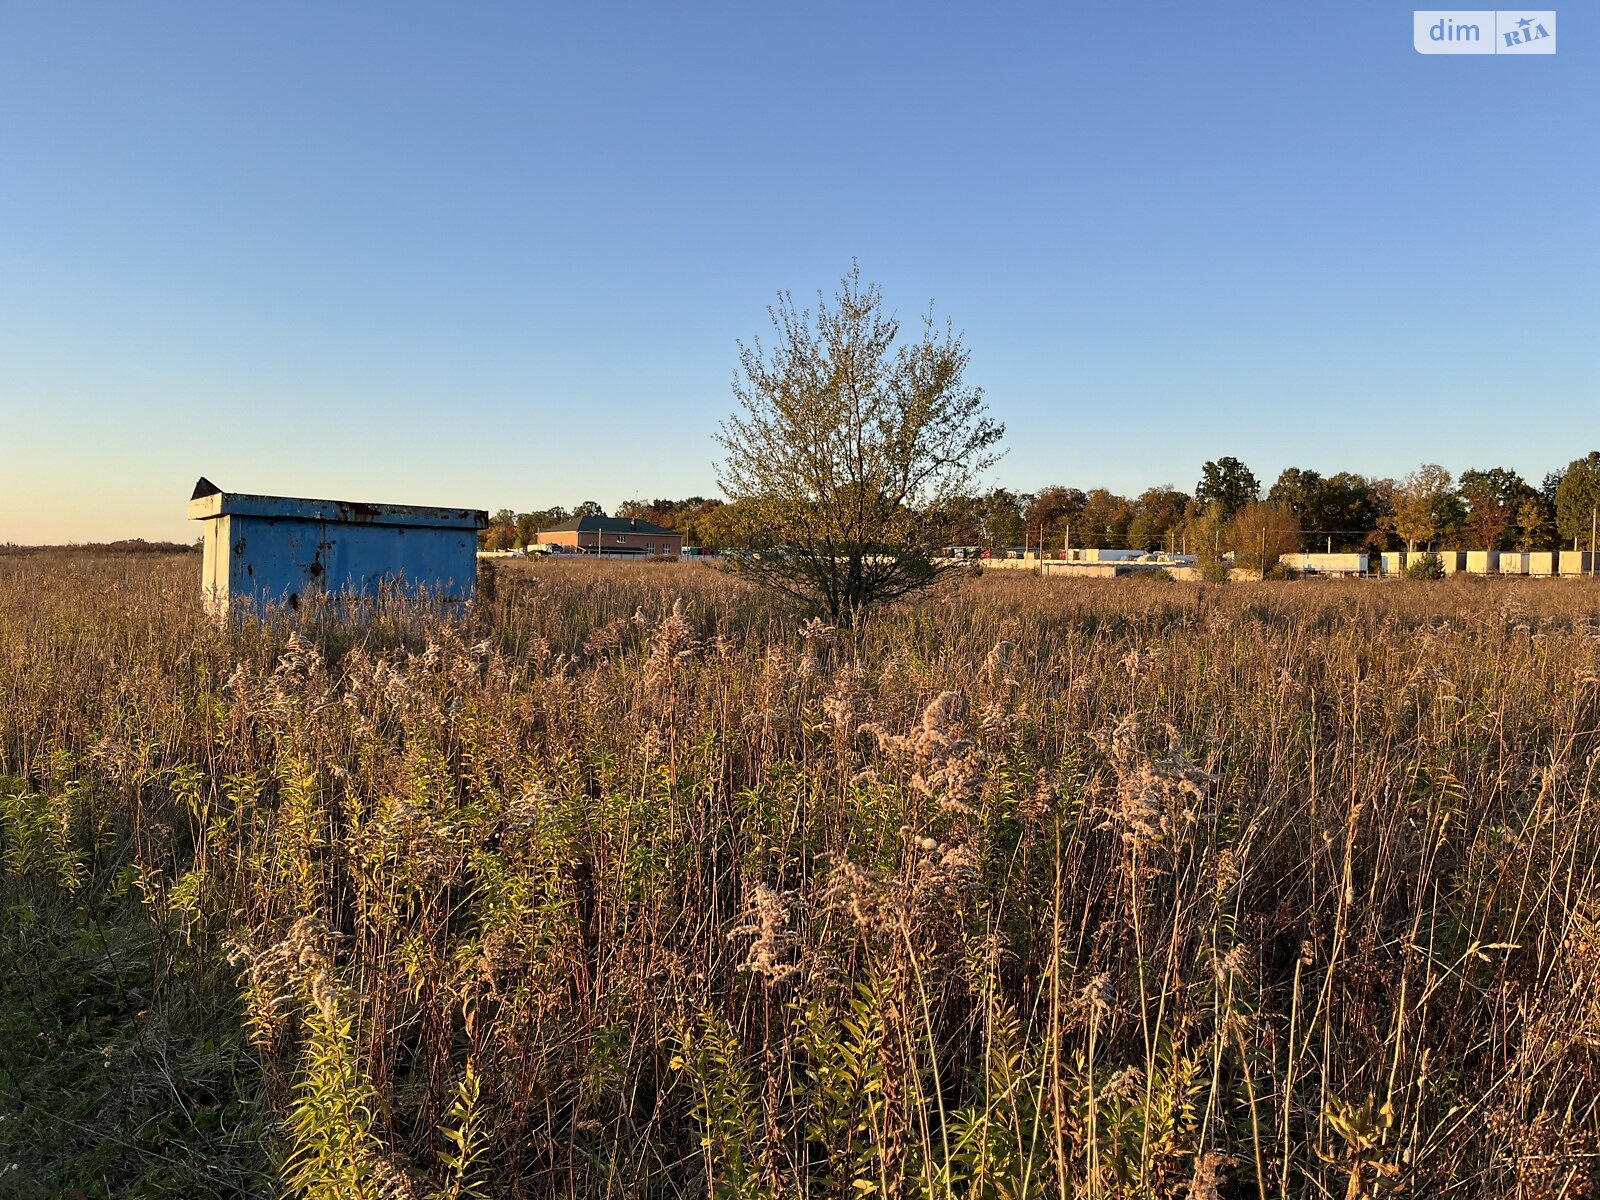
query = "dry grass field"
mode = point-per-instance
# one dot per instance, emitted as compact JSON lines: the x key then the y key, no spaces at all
{"x":631,"y":885}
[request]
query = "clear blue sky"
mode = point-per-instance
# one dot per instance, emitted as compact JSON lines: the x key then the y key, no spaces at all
{"x":500,"y":254}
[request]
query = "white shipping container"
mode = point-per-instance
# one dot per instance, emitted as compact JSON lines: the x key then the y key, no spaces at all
{"x":1327,"y":564}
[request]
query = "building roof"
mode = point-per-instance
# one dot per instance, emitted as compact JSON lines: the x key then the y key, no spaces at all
{"x":608,"y":525}
{"x":211,"y":501}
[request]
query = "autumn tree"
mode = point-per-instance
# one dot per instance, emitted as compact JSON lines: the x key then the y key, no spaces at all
{"x":1262,"y":534}
{"x":1425,"y":505}
{"x":724,"y":527}
{"x":1105,"y":518}
{"x":848,"y":444}
{"x":1202,"y":535}
{"x":501,"y":533}
{"x":1535,"y":524}
{"x":686,"y":516}
{"x":498,"y":537}
{"x":692,"y":516}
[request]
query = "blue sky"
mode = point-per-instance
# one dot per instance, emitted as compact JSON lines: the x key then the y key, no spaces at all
{"x":500,"y":254}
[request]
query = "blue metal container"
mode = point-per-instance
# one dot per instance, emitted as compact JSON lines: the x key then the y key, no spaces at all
{"x":284,"y":550}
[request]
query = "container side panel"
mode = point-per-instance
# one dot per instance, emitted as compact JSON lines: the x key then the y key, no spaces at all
{"x":277,"y":561}
{"x":364,"y":559}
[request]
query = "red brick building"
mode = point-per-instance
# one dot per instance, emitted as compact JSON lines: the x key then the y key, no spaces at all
{"x":613,"y":535}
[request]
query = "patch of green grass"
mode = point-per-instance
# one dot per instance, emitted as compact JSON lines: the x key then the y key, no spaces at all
{"x":108,"y":1090}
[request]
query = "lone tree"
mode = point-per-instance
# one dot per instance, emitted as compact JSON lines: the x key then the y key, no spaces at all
{"x":847,"y":450}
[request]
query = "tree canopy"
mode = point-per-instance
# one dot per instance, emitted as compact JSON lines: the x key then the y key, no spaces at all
{"x":1262,"y":533}
{"x":1228,"y":485}
{"x":847,"y":448}
{"x":1492,"y":500}
{"x":1492,"y":508}
{"x":1425,"y":506}
{"x":1577,"y":498}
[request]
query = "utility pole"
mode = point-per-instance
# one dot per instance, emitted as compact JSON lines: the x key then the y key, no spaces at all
{"x":1594,"y":512}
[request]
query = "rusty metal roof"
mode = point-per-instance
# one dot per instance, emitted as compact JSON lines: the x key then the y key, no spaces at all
{"x":210,"y":501}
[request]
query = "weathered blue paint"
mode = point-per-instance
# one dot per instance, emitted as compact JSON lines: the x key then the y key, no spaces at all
{"x":283,"y":550}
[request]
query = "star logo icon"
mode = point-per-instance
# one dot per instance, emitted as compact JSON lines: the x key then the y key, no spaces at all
{"x":1524,"y":23}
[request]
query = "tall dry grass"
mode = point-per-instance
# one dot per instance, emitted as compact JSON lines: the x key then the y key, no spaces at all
{"x":632,"y":885}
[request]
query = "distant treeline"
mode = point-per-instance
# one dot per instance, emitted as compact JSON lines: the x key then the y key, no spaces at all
{"x":1488,"y":509}
{"x":125,"y":546}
